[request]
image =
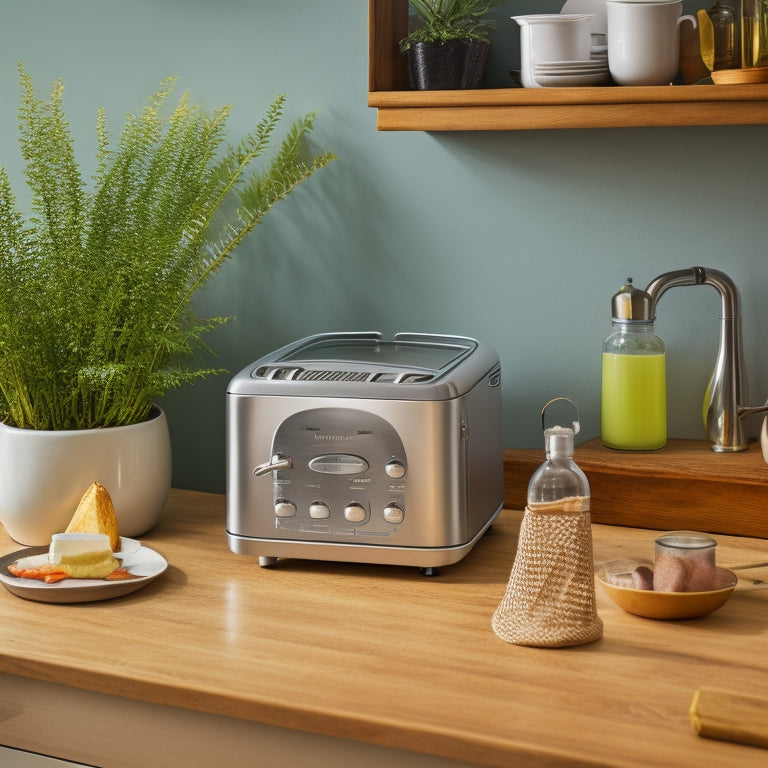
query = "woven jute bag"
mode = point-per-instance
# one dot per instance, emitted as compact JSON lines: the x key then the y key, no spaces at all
{"x":550,"y":598}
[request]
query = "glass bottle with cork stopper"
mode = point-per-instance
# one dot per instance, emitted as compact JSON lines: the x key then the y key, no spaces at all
{"x":634,"y":384}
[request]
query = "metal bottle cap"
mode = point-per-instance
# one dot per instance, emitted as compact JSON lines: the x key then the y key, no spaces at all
{"x":558,"y":441}
{"x":631,"y":303}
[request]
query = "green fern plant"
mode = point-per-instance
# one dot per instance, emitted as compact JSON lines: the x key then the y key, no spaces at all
{"x":444,"y":20}
{"x":96,"y":286}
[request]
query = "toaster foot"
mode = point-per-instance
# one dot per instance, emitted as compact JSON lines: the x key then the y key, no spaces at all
{"x":267,"y":562}
{"x":430,"y":571}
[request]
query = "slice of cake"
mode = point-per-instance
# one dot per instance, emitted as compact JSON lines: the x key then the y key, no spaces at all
{"x":82,"y":555}
{"x":96,"y":514}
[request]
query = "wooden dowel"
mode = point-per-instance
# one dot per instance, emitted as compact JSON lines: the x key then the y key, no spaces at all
{"x":729,"y":716}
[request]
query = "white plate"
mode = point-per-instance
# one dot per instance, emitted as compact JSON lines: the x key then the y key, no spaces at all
{"x":549,"y":80}
{"x":571,"y":81}
{"x":570,"y":72}
{"x":569,"y":66}
{"x":141,"y":561}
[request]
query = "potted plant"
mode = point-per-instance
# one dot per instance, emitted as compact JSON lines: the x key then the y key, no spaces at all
{"x":448,"y":49}
{"x":96,"y":289}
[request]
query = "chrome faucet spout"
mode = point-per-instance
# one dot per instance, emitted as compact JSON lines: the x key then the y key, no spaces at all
{"x":725,"y":394}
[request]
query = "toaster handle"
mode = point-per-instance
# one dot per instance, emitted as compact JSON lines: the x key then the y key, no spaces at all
{"x":278,"y":461}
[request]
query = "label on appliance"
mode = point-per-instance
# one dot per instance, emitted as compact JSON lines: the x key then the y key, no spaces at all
{"x":338,"y":464}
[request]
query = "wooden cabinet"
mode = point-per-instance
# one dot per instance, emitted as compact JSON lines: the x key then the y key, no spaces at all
{"x":401,"y":109}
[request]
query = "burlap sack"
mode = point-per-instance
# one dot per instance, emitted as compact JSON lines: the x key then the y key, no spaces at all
{"x":550,"y":597}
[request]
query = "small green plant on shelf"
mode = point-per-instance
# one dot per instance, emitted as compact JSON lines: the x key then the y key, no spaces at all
{"x":445,"y":20}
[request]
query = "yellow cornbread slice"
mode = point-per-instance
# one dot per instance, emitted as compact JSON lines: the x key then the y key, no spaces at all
{"x":96,"y":514}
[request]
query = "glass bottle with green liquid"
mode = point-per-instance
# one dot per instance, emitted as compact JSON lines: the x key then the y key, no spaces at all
{"x":634,"y":385}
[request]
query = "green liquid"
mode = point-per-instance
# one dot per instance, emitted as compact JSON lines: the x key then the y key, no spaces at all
{"x":634,"y":402}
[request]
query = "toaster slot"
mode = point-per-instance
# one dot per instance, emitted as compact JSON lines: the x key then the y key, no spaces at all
{"x":277,"y":373}
{"x":332,"y":376}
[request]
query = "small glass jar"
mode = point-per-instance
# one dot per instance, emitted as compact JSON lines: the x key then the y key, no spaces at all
{"x":685,"y":562}
{"x":725,"y":27}
{"x":754,"y":33}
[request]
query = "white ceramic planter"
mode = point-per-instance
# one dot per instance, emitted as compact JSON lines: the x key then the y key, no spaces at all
{"x":43,"y":476}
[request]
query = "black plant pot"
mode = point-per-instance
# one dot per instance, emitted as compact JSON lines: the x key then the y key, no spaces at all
{"x":457,"y":64}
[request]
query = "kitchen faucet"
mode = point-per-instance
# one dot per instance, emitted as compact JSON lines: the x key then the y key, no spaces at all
{"x":723,"y":408}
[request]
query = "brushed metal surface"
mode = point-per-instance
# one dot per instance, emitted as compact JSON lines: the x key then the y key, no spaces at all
{"x":451,"y":489}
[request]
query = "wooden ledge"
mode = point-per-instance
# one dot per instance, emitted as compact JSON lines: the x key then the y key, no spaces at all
{"x":685,"y":485}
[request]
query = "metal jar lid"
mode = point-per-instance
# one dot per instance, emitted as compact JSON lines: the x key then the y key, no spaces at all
{"x":631,"y":303}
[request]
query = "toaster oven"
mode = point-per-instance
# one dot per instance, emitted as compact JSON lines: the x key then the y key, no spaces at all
{"x":352,"y":447}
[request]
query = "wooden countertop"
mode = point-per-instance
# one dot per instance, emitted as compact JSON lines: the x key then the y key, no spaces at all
{"x":387,"y":656}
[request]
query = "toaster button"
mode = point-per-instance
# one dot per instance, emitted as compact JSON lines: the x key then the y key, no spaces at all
{"x":355,"y":513}
{"x":284,"y":508}
{"x":395,"y":469}
{"x":393,"y":513}
{"x":319,"y":511}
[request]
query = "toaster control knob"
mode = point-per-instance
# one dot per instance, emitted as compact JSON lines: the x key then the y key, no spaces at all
{"x":284,"y":508}
{"x":355,"y":513}
{"x":393,"y":513}
{"x":395,"y":469}
{"x":319,"y":511}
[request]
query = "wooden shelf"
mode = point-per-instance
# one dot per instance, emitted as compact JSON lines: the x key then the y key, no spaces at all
{"x":400,"y":109}
{"x":685,"y":485}
{"x":550,"y":108}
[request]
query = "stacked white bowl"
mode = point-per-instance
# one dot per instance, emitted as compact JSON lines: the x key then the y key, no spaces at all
{"x":563,"y":49}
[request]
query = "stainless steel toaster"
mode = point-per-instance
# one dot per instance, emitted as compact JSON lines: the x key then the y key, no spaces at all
{"x":352,"y":447}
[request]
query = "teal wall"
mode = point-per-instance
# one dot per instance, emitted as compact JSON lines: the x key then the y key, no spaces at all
{"x":518,"y":238}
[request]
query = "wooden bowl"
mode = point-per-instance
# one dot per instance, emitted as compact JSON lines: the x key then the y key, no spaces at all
{"x":736,"y":76}
{"x":664,"y":605}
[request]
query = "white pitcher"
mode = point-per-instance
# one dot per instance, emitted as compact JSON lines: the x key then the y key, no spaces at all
{"x":644,"y":41}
